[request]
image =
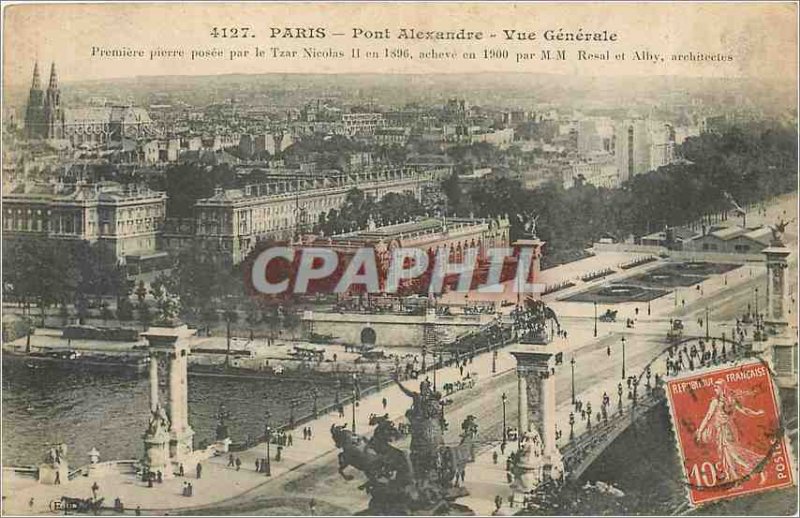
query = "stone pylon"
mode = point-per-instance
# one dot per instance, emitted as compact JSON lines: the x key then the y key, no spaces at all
{"x":781,"y":344}
{"x":169,"y":433}
{"x":540,"y":458}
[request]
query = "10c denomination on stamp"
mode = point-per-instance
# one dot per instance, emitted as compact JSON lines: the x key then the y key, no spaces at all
{"x":729,"y":433}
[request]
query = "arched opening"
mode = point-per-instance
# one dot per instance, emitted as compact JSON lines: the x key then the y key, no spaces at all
{"x":368,"y":336}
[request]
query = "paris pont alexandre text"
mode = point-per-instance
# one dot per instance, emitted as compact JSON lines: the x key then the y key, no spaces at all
{"x":578,"y":34}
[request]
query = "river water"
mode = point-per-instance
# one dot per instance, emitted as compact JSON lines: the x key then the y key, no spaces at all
{"x":109,"y":411}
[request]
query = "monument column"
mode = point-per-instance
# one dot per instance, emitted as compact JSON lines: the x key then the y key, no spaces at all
{"x":167,"y":342}
{"x":776,"y":256}
{"x":781,"y":343}
{"x":522,"y":404}
{"x":153,"y":381}
{"x":540,"y":458}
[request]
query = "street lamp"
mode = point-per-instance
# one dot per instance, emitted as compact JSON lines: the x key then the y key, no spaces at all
{"x":355,"y":403}
{"x":435,"y":365}
{"x":595,"y":319}
{"x":572,"y":364}
{"x":504,"y":398}
{"x":315,"y":395}
{"x":571,"y":425}
{"x":756,"y":301}
{"x":635,"y":386}
{"x":268,"y":433}
{"x":623,"y":357}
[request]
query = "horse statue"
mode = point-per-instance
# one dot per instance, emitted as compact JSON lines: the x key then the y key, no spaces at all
{"x":389,"y":471}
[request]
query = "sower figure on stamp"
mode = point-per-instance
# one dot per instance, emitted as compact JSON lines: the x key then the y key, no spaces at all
{"x":718,"y":426}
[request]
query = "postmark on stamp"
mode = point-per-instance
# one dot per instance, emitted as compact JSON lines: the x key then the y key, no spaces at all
{"x":729,"y":432}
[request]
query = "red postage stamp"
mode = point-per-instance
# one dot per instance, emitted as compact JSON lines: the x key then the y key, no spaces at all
{"x":729,"y":432}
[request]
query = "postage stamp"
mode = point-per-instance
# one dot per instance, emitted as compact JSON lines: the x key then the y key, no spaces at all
{"x":729,"y":432}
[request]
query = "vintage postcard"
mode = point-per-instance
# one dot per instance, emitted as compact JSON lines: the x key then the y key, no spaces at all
{"x":399,"y":258}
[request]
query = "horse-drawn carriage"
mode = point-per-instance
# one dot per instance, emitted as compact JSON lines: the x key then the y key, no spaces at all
{"x":609,"y":316}
{"x":675,"y":332}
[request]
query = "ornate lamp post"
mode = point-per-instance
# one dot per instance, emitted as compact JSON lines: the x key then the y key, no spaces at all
{"x":572,"y":365}
{"x":435,"y":368}
{"x":504,"y":398}
{"x":619,"y":393}
{"x":623,"y":357}
{"x":595,"y":319}
{"x":355,"y":403}
{"x":268,"y":433}
{"x":571,"y":425}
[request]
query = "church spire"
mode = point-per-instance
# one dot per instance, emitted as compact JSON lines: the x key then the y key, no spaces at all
{"x":36,"y":84}
{"x":53,"y":78}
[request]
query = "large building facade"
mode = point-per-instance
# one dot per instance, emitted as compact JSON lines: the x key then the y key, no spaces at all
{"x":46,"y":118}
{"x":232,"y":221}
{"x":127,"y":220}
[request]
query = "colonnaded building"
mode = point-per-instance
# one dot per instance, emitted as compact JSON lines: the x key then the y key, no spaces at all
{"x":127,"y":220}
{"x":233,"y":221}
{"x":46,"y":118}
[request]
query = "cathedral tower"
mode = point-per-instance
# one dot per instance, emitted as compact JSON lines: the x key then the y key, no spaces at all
{"x":34,"y":113}
{"x":53,"y":112}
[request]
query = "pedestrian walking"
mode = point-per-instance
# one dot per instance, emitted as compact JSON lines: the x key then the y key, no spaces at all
{"x":95,"y":487}
{"x":494,"y":456}
{"x":498,"y":502}
{"x":181,"y":471}
{"x":199,"y":471}
{"x":160,"y":477}
{"x":230,"y":460}
{"x":289,"y":440}
{"x":190,"y":491}
{"x":138,"y":510}
{"x":258,"y":465}
{"x":238,"y":463}
{"x":384,"y":402}
{"x":185,"y":489}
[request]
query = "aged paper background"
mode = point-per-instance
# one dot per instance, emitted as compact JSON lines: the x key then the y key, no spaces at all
{"x":761,"y":38}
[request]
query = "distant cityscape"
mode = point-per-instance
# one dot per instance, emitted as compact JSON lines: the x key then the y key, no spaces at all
{"x":85,"y":171}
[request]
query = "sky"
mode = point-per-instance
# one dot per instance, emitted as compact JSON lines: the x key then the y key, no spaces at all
{"x":760,"y":38}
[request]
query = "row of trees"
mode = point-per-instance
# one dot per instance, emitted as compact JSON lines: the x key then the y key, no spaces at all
{"x":752,"y":163}
{"x":358,"y":209}
{"x":46,"y":273}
